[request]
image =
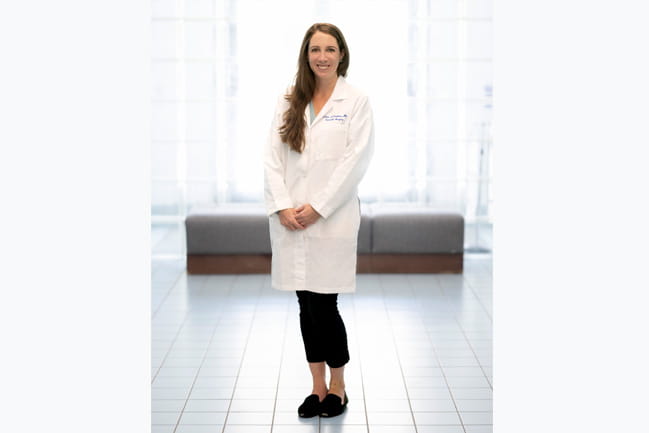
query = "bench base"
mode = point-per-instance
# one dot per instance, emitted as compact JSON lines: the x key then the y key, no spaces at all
{"x":366,"y":263}
{"x":228,"y":264}
{"x":439,"y":263}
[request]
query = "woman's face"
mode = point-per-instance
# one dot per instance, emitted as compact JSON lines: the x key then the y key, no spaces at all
{"x":324,"y":56}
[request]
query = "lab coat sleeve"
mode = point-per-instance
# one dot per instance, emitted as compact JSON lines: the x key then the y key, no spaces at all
{"x":276,"y":194}
{"x":353,"y":165}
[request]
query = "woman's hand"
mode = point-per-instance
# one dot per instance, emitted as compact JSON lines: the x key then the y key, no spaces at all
{"x":306,"y":215}
{"x":288,"y":220}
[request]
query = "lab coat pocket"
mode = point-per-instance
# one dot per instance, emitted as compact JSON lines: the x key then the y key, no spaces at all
{"x":332,"y":141}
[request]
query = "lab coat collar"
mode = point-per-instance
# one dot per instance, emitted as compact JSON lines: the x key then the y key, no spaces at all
{"x":339,"y":93}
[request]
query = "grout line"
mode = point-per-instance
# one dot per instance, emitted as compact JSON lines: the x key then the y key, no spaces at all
{"x":396,"y":347}
{"x":170,"y":347}
{"x":360,"y":365}
{"x":281,"y":360}
{"x":475,"y":355}
{"x":430,"y":338}
{"x":479,"y":299}
{"x":176,"y":281}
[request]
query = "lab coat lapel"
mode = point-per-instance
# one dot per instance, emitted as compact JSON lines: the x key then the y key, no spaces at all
{"x":338,"y":94}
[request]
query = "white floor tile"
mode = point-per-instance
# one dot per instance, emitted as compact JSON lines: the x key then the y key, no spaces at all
{"x":255,"y":393}
{"x":476,"y":418}
{"x":440,"y":429}
{"x":288,"y":404}
{"x":167,"y":405}
{"x":292,"y":418}
{"x":163,"y":428}
{"x":250,"y":418}
{"x":478,"y":428}
{"x":349,"y":416}
{"x":343,"y":428}
{"x":203,"y":418}
{"x":392,"y":429}
{"x":472,"y":393}
{"x":421,"y":348}
{"x":215,"y":382}
{"x":474,"y":405}
{"x":164,"y":417}
{"x":306,"y":428}
{"x":436,"y":418}
{"x":432,"y":405}
{"x":252,"y":405}
{"x":388,"y":405}
{"x":247,"y":429}
{"x":390,"y":418}
{"x":169,"y":393}
{"x":207,"y":405}
{"x":194,"y":428}
{"x":428,"y":393}
{"x":468,"y":382}
{"x":173,"y":381}
{"x":211,"y":393}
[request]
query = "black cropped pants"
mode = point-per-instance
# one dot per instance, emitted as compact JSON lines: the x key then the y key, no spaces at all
{"x":323,"y":330}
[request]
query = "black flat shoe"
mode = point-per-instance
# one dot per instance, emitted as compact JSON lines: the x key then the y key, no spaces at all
{"x":310,"y":407}
{"x":332,"y":406}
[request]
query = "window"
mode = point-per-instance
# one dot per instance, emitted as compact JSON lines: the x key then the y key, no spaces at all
{"x":218,"y":68}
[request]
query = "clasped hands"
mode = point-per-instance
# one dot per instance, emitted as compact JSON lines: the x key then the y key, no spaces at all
{"x":298,"y":218}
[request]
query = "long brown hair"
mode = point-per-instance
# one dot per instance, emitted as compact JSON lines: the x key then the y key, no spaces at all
{"x":292,"y":131}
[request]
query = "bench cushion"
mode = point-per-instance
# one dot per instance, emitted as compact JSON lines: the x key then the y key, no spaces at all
{"x":228,"y":230}
{"x":384,"y":229}
{"x":410,"y":230}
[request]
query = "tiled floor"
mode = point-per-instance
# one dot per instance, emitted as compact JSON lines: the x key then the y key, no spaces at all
{"x":227,"y":355}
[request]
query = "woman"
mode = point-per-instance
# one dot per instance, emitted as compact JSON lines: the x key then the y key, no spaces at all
{"x":320,"y":145}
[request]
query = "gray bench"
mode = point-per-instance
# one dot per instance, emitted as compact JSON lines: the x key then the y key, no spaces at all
{"x":391,"y":239}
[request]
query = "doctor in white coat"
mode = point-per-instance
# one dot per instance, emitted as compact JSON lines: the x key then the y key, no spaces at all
{"x":320,"y":145}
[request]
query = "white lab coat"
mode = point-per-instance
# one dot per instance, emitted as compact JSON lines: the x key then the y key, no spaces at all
{"x":339,"y":144}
